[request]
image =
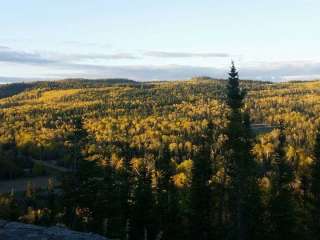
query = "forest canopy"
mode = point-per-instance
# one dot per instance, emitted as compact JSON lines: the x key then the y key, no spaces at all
{"x":210,"y":156}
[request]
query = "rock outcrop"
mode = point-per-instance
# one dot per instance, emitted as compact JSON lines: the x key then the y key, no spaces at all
{"x":21,"y":231}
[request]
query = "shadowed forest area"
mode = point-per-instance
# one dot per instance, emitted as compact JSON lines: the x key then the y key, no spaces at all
{"x":198,"y":159}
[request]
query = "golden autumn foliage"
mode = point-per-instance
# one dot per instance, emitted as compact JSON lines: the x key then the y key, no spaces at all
{"x":39,"y":120}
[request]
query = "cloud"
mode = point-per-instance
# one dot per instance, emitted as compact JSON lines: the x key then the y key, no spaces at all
{"x":4,"y":47}
{"x":283,"y":70}
{"x":162,"y":54}
{"x":261,"y":71}
{"x":77,"y":65}
{"x":141,"y":72}
{"x":115,"y":56}
{"x":15,"y":56}
{"x":9,"y":55}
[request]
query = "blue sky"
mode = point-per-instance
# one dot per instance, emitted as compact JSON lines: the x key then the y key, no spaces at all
{"x":167,"y":39}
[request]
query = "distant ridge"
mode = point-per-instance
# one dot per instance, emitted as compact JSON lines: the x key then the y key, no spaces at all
{"x":100,"y":80}
{"x":206,"y":78}
{"x":10,"y":89}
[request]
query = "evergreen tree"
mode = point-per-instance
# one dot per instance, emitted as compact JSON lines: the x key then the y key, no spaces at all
{"x":81,"y":185}
{"x":125,"y":184}
{"x":143,"y":206}
{"x":107,"y":203}
{"x":241,"y":167}
{"x":201,"y":194}
{"x":167,"y":205}
{"x":235,"y":95}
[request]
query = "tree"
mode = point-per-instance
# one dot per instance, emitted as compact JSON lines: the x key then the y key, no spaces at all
{"x":107,"y":207}
{"x":124,"y":187}
{"x":82,"y":184}
{"x":241,"y":166}
{"x":235,"y":95}
{"x":143,"y":206}
{"x":315,"y":188}
{"x":283,"y":209}
{"x":9,"y":207}
{"x":114,"y":199}
{"x":166,"y":195}
{"x":201,"y":193}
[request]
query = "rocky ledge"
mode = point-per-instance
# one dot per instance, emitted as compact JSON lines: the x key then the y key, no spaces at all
{"x":21,"y":231}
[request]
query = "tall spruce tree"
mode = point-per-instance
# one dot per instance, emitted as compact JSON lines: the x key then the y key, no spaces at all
{"x":241,"y":166}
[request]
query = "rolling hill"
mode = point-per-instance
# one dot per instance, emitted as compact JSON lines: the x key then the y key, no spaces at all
{"x":38,"y":116}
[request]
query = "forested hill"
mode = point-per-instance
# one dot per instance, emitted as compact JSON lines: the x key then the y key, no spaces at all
{"x":7,"y":90}
{"x":39,"y":119}
{"x":155,"y":157}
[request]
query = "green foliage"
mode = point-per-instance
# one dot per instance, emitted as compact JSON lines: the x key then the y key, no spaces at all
{"x":240,"y":164}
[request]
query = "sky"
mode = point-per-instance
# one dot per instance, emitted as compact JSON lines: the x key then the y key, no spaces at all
{"x":159,"y":40}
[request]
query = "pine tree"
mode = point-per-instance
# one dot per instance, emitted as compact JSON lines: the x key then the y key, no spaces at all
{"x":81,"y":185}
{"x":107,"y":202}
{"x":143,"y":206}
{"x":201,"y":193}
{"x":235,"y":95}
{"x":283,"y":222}
{"x":125,"y":185}
{"x":167,"y":205}
{"x":240,"y":167}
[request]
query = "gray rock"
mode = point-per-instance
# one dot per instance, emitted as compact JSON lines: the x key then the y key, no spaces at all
{"x":20,"y":231}
{"x":2,"y":223}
